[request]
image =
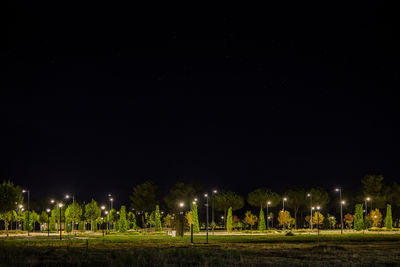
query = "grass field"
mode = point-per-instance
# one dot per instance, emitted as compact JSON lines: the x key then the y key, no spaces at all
{"x":250,"y":250}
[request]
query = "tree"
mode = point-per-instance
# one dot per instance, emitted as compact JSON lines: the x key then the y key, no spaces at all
{"x":167,"y":221}
{"x":284,"y":218}
{"x":297,"y":199}
{"x":372,"y":186}
{"x":358,"y":218}
{"x":348,"y":219}
{"x":7,"y":217}
{"x":43,"y":219}
{"x":123,"y":225}
{"x":319,"y":197}
{"x":318,"y":218}
{"x":331,"y":221}
{"x":375,"y":216}
{"x":388,"y":219}
{"x":196,"y":226}
{"x":226,"y":199}
{"x":189,"y":218}
{"x":229,"y":220}
{"x":261,"y":196}
{"x":11,"y":196}
{"x":92,"y":213}
{"x":180,"y":192}
{"x":73,"y":213}
{"x":250,"y":219}
{"x":144,"y":198}
{"x":261,"y":224}
{"x":131,"y":218}
{"x":52,"y":222}
{"x":157,"y":219}
{"x":28,"y":223}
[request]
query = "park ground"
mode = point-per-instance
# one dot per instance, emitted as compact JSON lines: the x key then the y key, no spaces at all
{"x":328,"y":249}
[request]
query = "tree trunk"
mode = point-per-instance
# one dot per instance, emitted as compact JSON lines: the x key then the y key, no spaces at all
{"x":6,"y":225}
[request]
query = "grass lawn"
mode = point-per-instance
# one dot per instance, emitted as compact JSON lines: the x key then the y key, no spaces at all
{"x":133,"y":250}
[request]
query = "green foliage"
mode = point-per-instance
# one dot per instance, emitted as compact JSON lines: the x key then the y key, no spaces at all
{"x":195,"y":217}
{"x":157,"y":220}
{"x":28,"y":223}
{"x":92,"y":213}
{"x":167,"y":221}
{"x":318,"y":218}
{"x":297,"y":198}
{"x":144,"y":196}
{"x":43,"y":217}
{"x":68,"y":225}
{"x":131,"y":218}
{"x":250,"y":219}
{"x":226,"y":199}
{"x":358,"y":218}
{"x":11,"y":196}
{"x":372,"y":186}
{"x":319,"y":197}
{"x":261,"y":196}
{"x":7,"y":217}
{"x":388,"y":219}
{"x":284,"y":218}
{"x":331,"y":221}
{"x":180,"y":193}
{"x":261,"y":225}
{"x":123,"y":224}
{"x":229,"y":220}
{"x":74,"y":212}
{"x":52,"y":222}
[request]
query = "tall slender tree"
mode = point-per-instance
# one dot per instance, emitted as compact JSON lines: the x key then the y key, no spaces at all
{"x":229,"y":220}
{"x":261,"y":224}
{"x":10,"y":197}
{"x":123,"y":225}
{"x":196,"y":226}
{"x":157,"y":220}
{"x":388,"y":218}
{"x":358,"y":218}
{"x":92,"y":213}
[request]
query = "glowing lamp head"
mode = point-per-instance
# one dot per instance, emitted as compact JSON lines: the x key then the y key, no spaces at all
{"x":22,"y":209}
{"x":195,"y":199}
{"x":111,"y":199}
{"x":103,"y":207}
{"x":20,"y":206}
{"x":181,"y":204}
{"x":222,"y":217}
{"x":205,"y":195}
{"x":52,"y":201}
{"x":269,"y":202}
{"x":284,"y":199}
{"x":24,"y":191}
{"x":309,"y":195}
{"x":318,"y":207}
{"x":60,"y":205}
{"x":66,"y":196}
{"x":313,"y":208}
{"x":194,"y":202}
{"x":47,"y":210}
{"x":106,"y":212}
{"x":368,"y":198}
{"x":215,"y":191}
{"x":343,"y":202}
{"x":337,"y":189}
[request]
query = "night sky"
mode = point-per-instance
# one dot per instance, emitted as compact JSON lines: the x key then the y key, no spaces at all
{"x":95,"y":100}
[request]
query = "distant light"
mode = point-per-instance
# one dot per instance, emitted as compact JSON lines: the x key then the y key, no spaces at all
{"x":313,"y":208}
{"x":111,"y":199}
{"x":103,"y":207}
{"x":181,"y":204}
{"x":343,"y":202}
{"x":205,"y":195}
{"x":60,"y":205}
{"x":66,"y":196}
{"x":195,"y":199}
{"x":215,"y":191}
{"x":309,"y":195}
{"x":24,"y":191}
{"x":269,"y":202}
{"x":284,"y":199}
{"x":47,"y":210}
{"x":222,"y":217}
{"x":22,"y":209}
{"x":368,"y":198}
{"x":52,"y":201}
{"x":194,"y":202}
{"x":20,"y":206}
{"x":337,"y":189}
{"x":318,"y":207}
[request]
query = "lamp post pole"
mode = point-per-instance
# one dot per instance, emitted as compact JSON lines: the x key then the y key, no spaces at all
{"x":27,"y":191}
{"x":268,"y":203}
{"x":212,"y":210}
{"x":310,"y":221}
{"x":60,"y":206}
{"x":206,"y":196}
{"x":48,"y":222}
{"x":318,"y":208}
{"x":341,"y":208}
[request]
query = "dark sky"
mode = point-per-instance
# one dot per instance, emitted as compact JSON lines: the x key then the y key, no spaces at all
{"x":98,"y":99}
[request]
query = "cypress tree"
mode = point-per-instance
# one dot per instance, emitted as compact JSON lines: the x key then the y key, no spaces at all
{"x":358,"y":218}
{"x":157,"y":220}
{"x":261,"y":225}
{"x":52,"y":222}
{"x":229,"y":220}
{"x":123,"y":225}
{"x":195,"y":218}
{"x":388,"y":219}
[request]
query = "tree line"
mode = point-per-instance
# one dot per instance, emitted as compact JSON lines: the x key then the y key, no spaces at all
{"x":261,"y":207}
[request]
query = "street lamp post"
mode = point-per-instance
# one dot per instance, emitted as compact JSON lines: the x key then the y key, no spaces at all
{"x":111,"y":199}
{"x":212,"y":210}
{"x":268,"y":203}
{"x":73,"y":210}
{"x":181,"y":217}
{"x":283,"y":203}
{"x":27,"y":191}
{"x":341,"y":208}
{"x":318,"y":208}
{"x":206,"y":196}
{"x":60,"y":206}
{"x":191,"y":223}
{"x":48,"y":222}
{"x":106,"y":213}
{"x":310,"y":221}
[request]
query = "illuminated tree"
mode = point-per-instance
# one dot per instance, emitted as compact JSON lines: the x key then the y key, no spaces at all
{"x":28,"y":223}
{"x":52,"y":222}
{"x":261,"y":224}
{"x":229,"y":220}
{"x":388,"y":219}
{"x":167,"y":221}
{"x":284,"y":218}
{"x":7,"y":217}
{"x":43,"y":218}
{"x":157,"y":220}
{"x":331,"y":221}
{"x":376,"y":217}
{"x":348,"y":219}
{"x":250,"y":219}
{"x":10,"y":197}
{"x":73,"y":213}
{"x":131,"y":218}
{"x":123,"y":225}
{"x":92,"y":213}
{"x":358,"y":218}
{"x":196,"y":226}
{"x":318,"y":218}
